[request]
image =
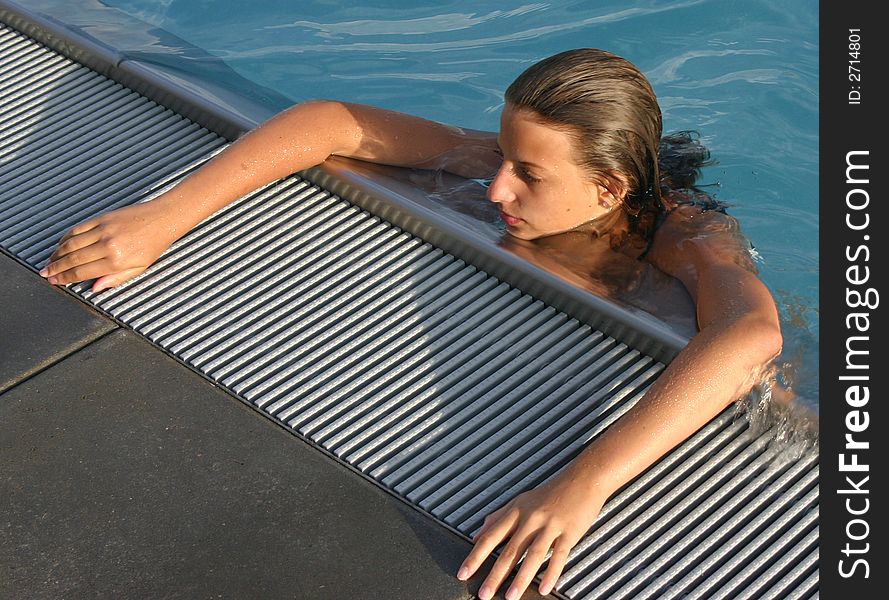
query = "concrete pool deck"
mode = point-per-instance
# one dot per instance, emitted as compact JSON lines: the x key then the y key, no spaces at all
{"x":126,"y":474}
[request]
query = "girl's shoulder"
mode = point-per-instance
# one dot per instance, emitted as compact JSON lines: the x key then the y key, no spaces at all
{"x":698,"y":232}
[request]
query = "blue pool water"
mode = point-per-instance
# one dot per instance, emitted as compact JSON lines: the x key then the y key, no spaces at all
{"x":744,"y":74}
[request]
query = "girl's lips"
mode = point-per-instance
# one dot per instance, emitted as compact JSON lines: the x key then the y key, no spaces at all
{"x":509,"y":219}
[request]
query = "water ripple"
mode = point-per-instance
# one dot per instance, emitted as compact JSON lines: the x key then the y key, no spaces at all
{"x":420,"y":26}
{"x":444,"y":77}
{"x":757,"y":76}
{"x":667,"y":71}
{"x":449,"y":45}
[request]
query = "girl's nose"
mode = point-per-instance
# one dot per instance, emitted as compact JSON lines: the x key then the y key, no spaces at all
{"x":500,"y":190}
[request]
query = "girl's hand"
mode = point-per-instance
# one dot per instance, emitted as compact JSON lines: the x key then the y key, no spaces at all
{"x":553,"y":516}
{"x":113,"y":247}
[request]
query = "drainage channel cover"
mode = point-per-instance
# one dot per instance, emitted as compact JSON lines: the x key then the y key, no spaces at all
{"x":441,"y":383}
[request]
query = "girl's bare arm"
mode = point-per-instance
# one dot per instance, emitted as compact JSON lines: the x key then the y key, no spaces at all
{"x":121,"y":244}
{"x":739,"y":335}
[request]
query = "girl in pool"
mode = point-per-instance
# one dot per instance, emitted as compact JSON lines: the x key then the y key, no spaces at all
{"x":577,"y":152}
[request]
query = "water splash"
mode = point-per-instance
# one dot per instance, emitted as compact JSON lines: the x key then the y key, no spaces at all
{"x":772,"y":409}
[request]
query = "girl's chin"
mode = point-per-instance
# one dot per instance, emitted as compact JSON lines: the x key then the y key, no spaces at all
{"x":523,"y":233}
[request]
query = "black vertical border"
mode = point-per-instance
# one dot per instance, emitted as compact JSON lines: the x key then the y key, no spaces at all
{"x":847,"y":127}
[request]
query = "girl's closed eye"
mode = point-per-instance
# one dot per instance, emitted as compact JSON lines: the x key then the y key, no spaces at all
{"x":526,"y":175}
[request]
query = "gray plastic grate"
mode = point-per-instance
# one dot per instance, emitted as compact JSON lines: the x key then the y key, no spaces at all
{"x":443,"y":384}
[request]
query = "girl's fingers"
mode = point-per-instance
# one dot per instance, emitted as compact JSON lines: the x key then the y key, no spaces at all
{"x":552,"y":516}
{"x":78,"y":229}
{"x":80,"y":257}
{"x":498,"y":531}
{"x":507,"y":560}
{"x":531,"y":563}
{"x":82,"y":272}
{"x":556,"y":565}
{"x":489,"y":521}
{"x":115,"y":279}
{"x":72,"y":243}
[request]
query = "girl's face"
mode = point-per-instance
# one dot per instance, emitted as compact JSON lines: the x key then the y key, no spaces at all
{"x":539,"y":188}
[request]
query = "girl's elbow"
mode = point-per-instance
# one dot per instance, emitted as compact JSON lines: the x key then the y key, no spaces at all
{"x":318,"y":103}
{"x":765,"y":340}
{"x":320,"y":108}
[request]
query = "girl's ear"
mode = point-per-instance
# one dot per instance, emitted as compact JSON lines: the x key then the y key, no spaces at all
{"x":609,"y":199}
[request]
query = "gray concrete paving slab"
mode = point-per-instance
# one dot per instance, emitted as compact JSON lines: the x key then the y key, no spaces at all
{"x":126,"y":475}
{"x":39,"y":324}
